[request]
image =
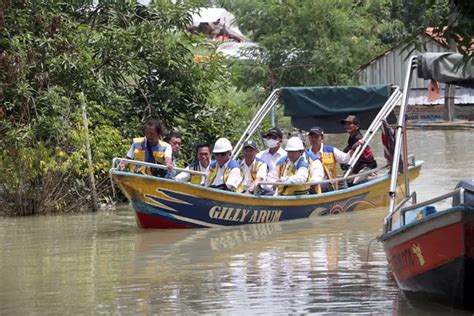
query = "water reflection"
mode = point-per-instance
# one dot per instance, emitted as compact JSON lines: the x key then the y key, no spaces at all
{"x":290,"y":267}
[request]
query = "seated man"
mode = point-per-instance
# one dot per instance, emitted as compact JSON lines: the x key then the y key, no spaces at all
{"x":224,"y":173}
{"x":328,"y":155}
{"x":366,"y":160}
{"x":151,"y":149}
{"x":316,"y":174}
{"x":292,"y":169}
{"x":253,"y":168}
{"x":273,"y":140}
{"x":175,"y":140}
{"x":203,"y":154}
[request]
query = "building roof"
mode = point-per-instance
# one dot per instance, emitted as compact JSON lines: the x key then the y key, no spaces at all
{"x":429,"y":33}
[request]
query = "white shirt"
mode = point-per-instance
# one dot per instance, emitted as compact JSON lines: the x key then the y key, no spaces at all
{"x":168,"y":151}
{"x":270,"y":159}
{"x":234,"y":179}
{"x":261,"y":173}
{"x":339,"y":156}
{"x":299,"y":177}
{"x":184,"y":176}
{"x":316,"y":171}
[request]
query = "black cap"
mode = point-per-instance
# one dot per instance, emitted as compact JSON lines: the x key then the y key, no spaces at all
{"x":316,"y":130}
{"x":351,"y":119}
{"x":274,"y":131}
{"x":250,"y":143}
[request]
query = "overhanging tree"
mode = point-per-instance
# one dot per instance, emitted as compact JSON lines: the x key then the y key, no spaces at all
{"x":128,"y":62}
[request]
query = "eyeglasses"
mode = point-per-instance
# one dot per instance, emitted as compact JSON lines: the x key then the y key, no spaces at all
{"x":220,"y":154}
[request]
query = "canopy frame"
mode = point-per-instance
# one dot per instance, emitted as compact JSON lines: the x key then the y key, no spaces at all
{"x":272,"y":101}
{"x":430,"y":66}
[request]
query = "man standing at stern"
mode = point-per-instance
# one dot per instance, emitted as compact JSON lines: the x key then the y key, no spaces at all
{"x":366,"y":160}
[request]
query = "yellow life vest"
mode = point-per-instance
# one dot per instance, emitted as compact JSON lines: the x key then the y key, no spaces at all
{"x":214,"y":167}
{"x":139,"y":148}
{"x":291,"y":189}
{"x":256,"y":164}
{"x":329,"y":164}
{"x":195,"y":178}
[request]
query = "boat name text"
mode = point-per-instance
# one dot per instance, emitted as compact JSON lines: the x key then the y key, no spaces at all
{"x":244,"y":215}
{"x":403,"y":260}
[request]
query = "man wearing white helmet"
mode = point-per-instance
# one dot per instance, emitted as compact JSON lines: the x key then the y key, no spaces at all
{"x":224,"y":173}
{"x":292,"y":169}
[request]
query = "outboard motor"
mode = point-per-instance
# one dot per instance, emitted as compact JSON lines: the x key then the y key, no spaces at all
{"x":468,"y":186}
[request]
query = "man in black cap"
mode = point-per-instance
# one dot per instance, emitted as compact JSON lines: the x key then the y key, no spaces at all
{"x":366,"y":160}
{"x":273,"y":140}
{"x":253,"y":168}
{"x":327,"y":154}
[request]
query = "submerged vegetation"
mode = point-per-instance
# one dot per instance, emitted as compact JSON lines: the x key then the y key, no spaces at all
{"x":126,"y":62}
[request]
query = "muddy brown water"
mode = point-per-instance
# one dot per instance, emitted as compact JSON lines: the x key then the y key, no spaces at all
{"x":103,"y":264}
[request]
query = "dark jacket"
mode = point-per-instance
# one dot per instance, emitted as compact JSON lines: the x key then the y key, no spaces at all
{"x":366,"y":159}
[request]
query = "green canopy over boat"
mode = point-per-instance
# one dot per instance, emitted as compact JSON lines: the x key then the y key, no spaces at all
{"x":327,"y":106}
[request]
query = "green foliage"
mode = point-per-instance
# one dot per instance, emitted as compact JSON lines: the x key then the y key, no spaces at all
{"x":125,"y":62}
{"x":402,"y":21}
{"x":400,"y":18}
{"x":304,"y":42}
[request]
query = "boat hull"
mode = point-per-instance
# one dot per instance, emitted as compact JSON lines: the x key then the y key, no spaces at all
{"x":163,"y":203}
{"x":434,"y":258}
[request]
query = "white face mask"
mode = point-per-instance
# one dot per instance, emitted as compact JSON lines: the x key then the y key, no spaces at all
{"x":271,"y":143}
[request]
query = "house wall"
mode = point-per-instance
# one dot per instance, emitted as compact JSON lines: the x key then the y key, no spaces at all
{"x":392,"y":67}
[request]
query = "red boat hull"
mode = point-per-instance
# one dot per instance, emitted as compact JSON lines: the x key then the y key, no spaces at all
{"x":434,"y":257}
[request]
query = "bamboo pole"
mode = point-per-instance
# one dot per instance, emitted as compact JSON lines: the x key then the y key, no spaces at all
{"x":95,"y":204}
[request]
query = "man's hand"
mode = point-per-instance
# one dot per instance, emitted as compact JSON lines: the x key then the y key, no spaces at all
{"x":169,"y":164}
{"x":360,"y":142}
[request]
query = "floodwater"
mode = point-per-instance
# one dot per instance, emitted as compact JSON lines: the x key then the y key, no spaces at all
{"x":103,"y":264}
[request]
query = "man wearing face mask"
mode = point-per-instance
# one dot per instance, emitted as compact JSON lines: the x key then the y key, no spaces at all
{"x":273,"y":140}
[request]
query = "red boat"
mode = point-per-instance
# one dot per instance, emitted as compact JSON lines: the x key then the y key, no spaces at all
{"x":430,"y":247}
{"x":432,"y":256}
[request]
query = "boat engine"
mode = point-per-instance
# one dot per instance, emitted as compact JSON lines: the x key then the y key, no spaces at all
{"x":468,"y":186}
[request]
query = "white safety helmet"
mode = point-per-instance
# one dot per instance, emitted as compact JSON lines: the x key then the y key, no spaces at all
{"x":222,"y":145}
{"x":294,"y":144}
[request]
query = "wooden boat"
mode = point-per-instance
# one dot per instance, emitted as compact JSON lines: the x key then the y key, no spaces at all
{"x":430,"y":246}
{"x":164,"y":203}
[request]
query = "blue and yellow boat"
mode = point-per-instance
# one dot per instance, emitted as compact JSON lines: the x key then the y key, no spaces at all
{"x":165,"y":203}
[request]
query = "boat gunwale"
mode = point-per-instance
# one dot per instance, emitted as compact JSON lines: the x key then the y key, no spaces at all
{"x":308,"y":198}
{"x":418,"y":223}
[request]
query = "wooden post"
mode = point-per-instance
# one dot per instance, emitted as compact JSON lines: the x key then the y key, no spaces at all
{"x":448,"y":113}
{"x":95,"y":204}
